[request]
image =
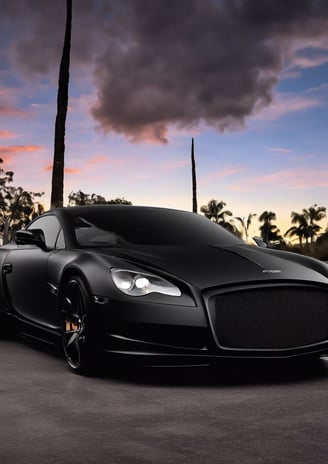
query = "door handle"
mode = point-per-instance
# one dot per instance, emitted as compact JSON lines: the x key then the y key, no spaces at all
{"x":7,"y":268}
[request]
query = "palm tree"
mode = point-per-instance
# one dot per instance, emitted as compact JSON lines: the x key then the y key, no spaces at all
{"x":269,"y":231}
{"x":194,"y":182}
{"x":314,"y":213}
{"x":306,"y":227}
{"x":213,"y":211}
{"x":57,"y":186}
{"x":246,"y":224}
{"x":298,"y":231}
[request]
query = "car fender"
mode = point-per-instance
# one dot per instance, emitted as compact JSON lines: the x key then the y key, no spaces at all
{"x":92,"y":267}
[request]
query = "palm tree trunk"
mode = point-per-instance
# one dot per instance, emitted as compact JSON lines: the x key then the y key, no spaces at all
{"x":194,"y":182}
{"x":57,"y":186}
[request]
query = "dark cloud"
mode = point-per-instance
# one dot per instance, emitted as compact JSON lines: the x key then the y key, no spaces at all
{"x":180,"y":62}
{"x":191,"y":61}
{"x":34,"y":33}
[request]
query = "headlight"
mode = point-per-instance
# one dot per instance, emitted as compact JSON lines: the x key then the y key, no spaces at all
{"x":140,"y":283}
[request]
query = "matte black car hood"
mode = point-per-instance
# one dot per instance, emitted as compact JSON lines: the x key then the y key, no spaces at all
{"x":209,"y":266}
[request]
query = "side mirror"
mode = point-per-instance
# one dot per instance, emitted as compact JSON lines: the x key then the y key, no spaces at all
{"x":260,"y":243}
{"x":31,"y":237}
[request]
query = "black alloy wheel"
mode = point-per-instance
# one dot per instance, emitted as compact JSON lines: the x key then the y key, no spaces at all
{"x":79,"y":341}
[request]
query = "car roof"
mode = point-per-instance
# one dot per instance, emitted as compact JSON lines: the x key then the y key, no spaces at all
{"x":73,"y":210}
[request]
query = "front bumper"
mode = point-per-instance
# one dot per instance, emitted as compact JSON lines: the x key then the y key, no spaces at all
{"x":157,"y":333}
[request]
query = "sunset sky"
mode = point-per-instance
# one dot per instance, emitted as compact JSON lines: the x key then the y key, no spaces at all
{"x":248,"y":79}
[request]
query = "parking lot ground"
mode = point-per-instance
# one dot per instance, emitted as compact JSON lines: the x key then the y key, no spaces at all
{"x":239,"y":412}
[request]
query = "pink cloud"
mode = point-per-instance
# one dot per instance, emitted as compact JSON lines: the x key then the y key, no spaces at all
{"x":7,"y":105}
{"x":72,"y":170}
{"x":173,"y":166}
{"x":285,"y":104}
{"x":8,"y":110}
{"x":222,"y":173}
{"x":95,"y":165}
{"x":98,"y":160}
{"x":101,"y":159}
{"x":66,"y":170}
{"x":289,"y":179}
{"x":310,"y":62}
{"x":149,"y":166}
{"x":280,"y":150}
{"x":18,"y":149}
{"x":6,"y":134}
{"x":298,"y":58}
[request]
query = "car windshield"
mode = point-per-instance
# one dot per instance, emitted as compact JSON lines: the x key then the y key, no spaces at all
{"x":147,"y":226}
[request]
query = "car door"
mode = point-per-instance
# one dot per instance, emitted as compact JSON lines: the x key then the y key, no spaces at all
{"x":26,"y":274}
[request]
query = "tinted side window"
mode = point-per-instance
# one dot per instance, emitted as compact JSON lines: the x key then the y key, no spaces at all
{"x":51,"y":228}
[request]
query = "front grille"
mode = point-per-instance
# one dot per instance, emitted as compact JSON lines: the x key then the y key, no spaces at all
{"x":271,"y":318}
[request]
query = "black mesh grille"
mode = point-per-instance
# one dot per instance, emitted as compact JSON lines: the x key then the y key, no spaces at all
{"x":271,"y":318}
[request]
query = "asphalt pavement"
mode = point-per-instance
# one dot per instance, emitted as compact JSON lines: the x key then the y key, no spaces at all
{"x":239,"y":412}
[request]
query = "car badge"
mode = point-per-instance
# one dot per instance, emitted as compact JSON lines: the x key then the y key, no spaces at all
{"x":271,"y":271}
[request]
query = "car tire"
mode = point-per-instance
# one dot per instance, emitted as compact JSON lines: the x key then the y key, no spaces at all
{"x":79,"y":338}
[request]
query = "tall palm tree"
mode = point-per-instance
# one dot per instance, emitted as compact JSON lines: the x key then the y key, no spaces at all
{"x":194,"y":182}
{"x":269,"y":231}
{"x":57,"y":186}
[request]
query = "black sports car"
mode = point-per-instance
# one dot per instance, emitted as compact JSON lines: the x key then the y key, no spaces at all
{"x":167,"y":286}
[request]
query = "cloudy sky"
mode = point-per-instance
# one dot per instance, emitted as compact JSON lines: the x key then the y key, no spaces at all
{"x":248,"y":79}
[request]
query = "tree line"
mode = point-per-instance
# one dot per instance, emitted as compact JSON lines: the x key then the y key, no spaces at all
{"x":18,"y":206}
{"x":304,"y":227}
